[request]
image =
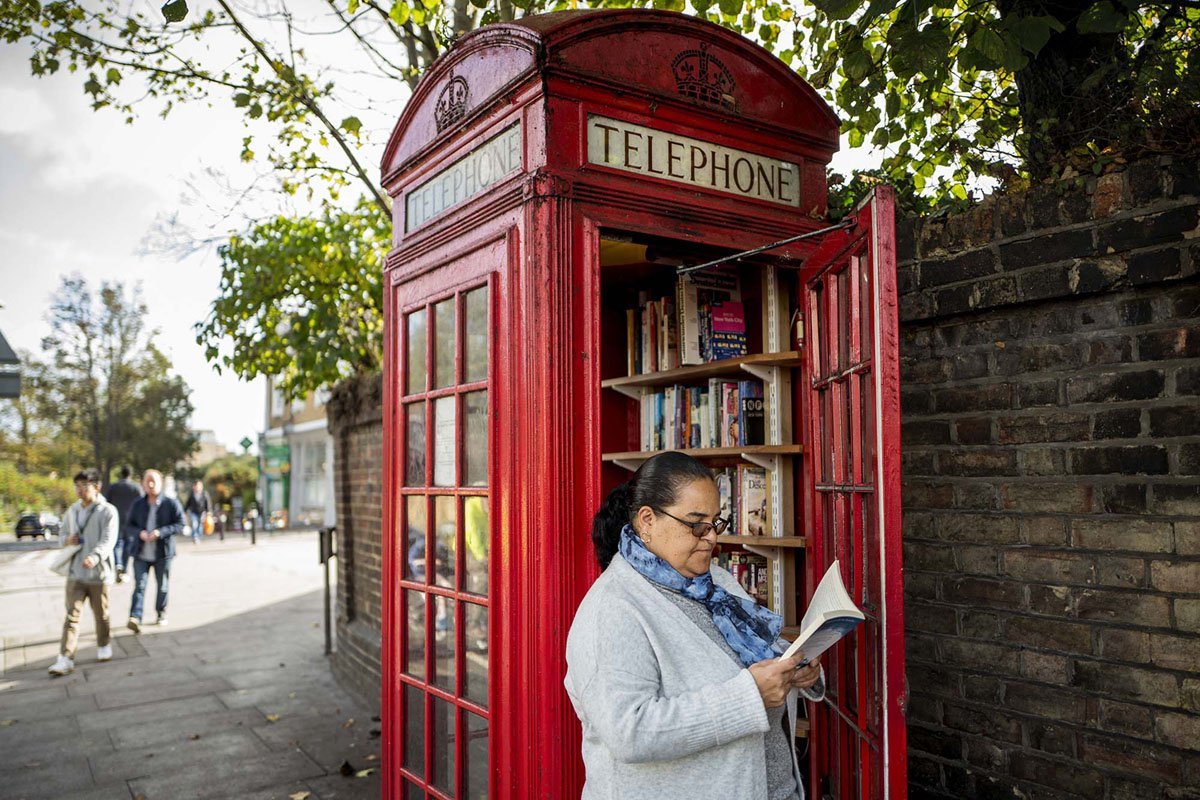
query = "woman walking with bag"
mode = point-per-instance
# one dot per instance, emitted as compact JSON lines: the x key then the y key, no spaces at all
{"x":91,"y":524}
{"x":673,"y":670}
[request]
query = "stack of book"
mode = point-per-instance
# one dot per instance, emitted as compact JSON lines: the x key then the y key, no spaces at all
{"x":745,"y":499}
{"x":752,"y":571}
{"x":719,"y":414}
{"x":703,"y":321}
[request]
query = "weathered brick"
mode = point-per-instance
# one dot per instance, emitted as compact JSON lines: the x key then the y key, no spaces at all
{"x":1155,"y":267}
{"x":1126,"y":718}
{"x":977,"y":462}
{"x":1045,"y":701}
{"x":1042,"y":462}
{"x":1125,"y":498}
{"x":1064,"y":775}
{"x":1134,"y":683}
{"x":1056,"y":601}
{"x":1109,"y":350}
{"x":985,"y":753}
{"x":1119,"y":644}
{"x":940,"y":743}
{"x":934,"y":680}
{"x":924,"y":370}
{"x":920,"y":648}
{"x":961,"y":267}
{"x":1175,"y":652}
{"x":924,"y":494}
{"x":1050,"y":531}
{"x":979,"y":625}
{"x":1130,"y":535}
{"x":918,"y":462}
{"x":915,"y":402}
{"x":1181,"y":342}
{"x":1183,"y":176}
{"x":1042,"y":283}
{"x":1127,"y":573}
{"x":1045,"y":249}
{"x":1187,"y":381}
{"x":978,"y":528}
{"x":977,"y":430}
{"x":1181,"y":499}
{"x":978,"y":591}
{"x":1107,"y":197}
{"x":1116,"y":387}
{"x":1041,"y":567}
{"x":1043,"y":427}
{"x":1037,"y":393}
{"x":1132,"y":608}
{"x":1178,"y":730}
{"x":1118,"y":423}
{"x":1047,"y":497}
{"x":1191,"y":694}
{"x":1187,"y":537}
{"x":1188,"y":460}
{"x":982,"y":689}
{"x":928,"y":557}
{"x":1050,"y":634}
{"x":930,"y":618}
{"x":977,"y":560}
{"x":1049,"y":738}
{"x":970,"y":365}
{"x":1187,"y":615}
{"x":1124,"y":460}
{"x":1045,"y":667}
{"x":925,"y":432}
{"x":992,"y":397}
{"x":983,"y":722}
{"x":1147,"y":230}
{"x":1086,"y":276}
{"x":1133,"y":758}
{"x":1181,"y":577}
{"x":976,"y":496}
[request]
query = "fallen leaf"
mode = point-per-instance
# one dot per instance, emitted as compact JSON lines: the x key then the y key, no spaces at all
{"x":291,"y":695}
{"x":149,"y":755}
{"x":316,"y":624}
{"x":272,"y":718}
{"x":372,"y":757}
{"x":346,"y":769}
{"x":300,"y":796}
{"x":376,"y":718}
{"x":282,"y":665}
{"x":362,"y":773}
{"x":4,"y":723}
{"x":376,"y":733}
{"x":348,"y":723}
{"x":193,"y":737}
{"x":140,"y":797}
{"x":32,"y":765}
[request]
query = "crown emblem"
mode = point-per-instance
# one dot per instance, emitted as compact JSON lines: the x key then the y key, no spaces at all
{"x":451,"y":102}
{"x":703,"y":77}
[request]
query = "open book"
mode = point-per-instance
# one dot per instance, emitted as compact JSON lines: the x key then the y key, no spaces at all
{"x":831,"y":615}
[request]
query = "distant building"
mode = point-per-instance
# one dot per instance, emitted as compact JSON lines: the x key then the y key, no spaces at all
{"x":207,"y":451}
{"x":296,"y":457}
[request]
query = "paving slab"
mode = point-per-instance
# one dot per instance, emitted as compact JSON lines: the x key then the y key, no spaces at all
{"x":49,"y":780}
{"x":234,"y":778}
{"x":180,"y":728}
{"x":153,"y":758}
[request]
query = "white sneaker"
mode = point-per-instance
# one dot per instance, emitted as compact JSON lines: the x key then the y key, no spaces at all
{"x":62,"y":666}
{"x":104,"y":653}
{"x":162,"y":619}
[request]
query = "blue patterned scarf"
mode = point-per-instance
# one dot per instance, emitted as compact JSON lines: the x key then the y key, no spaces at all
{"x":749,"y":629}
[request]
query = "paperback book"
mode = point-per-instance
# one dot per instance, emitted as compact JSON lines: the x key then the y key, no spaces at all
{"x":831,"y":615}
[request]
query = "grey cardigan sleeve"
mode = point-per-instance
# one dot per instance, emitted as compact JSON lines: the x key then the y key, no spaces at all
{"x":622,"y":699}
{"x":108,"y":534}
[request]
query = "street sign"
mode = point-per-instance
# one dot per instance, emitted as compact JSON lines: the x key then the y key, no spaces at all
{"x":246,"y":442}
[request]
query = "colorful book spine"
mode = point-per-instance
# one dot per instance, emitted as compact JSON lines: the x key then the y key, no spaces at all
{"x":752,"y":427}
{"x":752,"y":502}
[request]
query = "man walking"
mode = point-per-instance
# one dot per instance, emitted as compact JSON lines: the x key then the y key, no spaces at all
{"x":197,"y":505}
{"x":153,"y":522}
{"x":91,"y":523}
{"x":122,"y":494}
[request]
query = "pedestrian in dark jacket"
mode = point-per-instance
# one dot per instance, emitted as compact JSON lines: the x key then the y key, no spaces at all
{"x":198,"y":504}
{"x":122,"y":494}
{"x":153,"y":522}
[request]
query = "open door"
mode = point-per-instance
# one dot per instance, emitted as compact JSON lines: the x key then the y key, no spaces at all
{"x":852,"y":497}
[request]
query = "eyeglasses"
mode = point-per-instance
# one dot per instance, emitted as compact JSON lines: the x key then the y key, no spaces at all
{"x":699,"y":529}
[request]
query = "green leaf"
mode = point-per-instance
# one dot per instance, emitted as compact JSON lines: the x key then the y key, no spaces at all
{"x":400,"y":13}
{"x":351,"y":125}
{"x":988,"y":46}
{"x":1101,"y":17}
{"x":113,"y":75}
{"x":959,"y":191}
{"x":175,"y":10}
{"x":856,"y":61}
{"x":837,"y":9}
{"x":730,"y":7}
{"x":1033,"y":32}
{"x":352,"y":7}
{"x":855,"y":135}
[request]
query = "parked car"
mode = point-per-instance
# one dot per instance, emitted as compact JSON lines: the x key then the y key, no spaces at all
{"x":38,"y":526}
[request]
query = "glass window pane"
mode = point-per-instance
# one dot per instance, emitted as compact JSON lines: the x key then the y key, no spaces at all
{"x":443,"y":441}
{"x":475,"y":758}
{"x":414,"y":469}
{"x":476,"y":541}
{"x":445,"y":528}
{"x":443,"y":644}
{"x":416,"y":352}
{"x":414,"y":658}
{"x":414,"y":730}
{"x":443,"y":346}
{"x":443,"y":746}
{"x":475,"y":636}
{"x":413,"y":792}
{"x":475,"y":360}
{"x":475,"y":457}
{"x":414,"y":560}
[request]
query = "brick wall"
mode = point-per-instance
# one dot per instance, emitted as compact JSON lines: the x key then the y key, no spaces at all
{"x":356,"y":423}
{"x":1051,"y":428}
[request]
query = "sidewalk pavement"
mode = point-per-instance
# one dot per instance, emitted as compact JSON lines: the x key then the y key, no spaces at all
{"x":234,"y":699}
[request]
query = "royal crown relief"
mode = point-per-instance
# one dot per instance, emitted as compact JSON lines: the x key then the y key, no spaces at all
{"x":451,"y":102}
{"x":701,"y":76}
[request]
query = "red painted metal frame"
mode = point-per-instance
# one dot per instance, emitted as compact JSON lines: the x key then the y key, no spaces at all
{"x":852,"y":497}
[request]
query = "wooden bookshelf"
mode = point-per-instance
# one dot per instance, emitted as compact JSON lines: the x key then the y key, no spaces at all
{"x":800,"y":542}
{"x":747,"y":453}
{"x":713,"y":369}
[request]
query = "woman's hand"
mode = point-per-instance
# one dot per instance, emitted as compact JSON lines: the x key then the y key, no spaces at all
{"x":774,"y":679}
{"x":805,"y":677}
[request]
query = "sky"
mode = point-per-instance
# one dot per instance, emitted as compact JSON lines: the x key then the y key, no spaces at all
{"x":80,"y":191}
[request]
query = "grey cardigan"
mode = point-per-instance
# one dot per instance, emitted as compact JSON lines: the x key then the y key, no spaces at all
{"x":97,"y":538}
{"x":665,"y":712}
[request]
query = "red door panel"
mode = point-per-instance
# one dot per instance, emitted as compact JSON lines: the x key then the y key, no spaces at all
{"x":852,"y":493}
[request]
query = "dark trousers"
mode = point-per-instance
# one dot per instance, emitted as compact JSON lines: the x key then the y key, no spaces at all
{"x":141,"y":576}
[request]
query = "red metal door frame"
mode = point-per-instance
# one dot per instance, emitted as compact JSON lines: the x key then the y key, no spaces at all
{"x":852,"y":497}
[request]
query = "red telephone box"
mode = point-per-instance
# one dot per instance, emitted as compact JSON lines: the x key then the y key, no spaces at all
{"x":553,"y":180}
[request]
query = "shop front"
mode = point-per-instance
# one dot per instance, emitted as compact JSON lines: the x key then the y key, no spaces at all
{"x":561,"y":304}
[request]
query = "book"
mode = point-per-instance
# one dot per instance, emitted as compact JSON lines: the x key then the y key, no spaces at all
{"x":725,"y":493}
{"x":754,"y":517}
{"x":752,"y":423}
{"x":831,"y":615}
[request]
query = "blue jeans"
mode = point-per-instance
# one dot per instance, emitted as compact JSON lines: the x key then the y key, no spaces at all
{"x":197,"y":521}
{"x":123,"y":550}
{"x":141,"y":576}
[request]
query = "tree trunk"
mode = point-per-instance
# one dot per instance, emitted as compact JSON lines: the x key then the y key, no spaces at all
{"x":1058,"y":112}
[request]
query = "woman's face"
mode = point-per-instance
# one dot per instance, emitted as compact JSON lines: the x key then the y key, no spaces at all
{"x":671,"y":540}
